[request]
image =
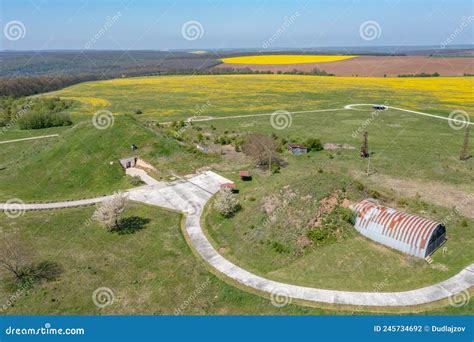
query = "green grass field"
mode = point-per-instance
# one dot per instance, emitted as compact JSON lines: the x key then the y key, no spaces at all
{"x":416,"y":160}
{"x":151,"y":271}
{"x":406,"y":146}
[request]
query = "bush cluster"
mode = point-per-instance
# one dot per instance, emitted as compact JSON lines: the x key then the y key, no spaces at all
{"x":44,"y":120}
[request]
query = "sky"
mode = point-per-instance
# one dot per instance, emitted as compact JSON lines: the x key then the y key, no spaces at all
{"x":223,"y":24}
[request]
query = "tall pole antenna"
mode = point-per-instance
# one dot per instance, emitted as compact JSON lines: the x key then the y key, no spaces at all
{"x":364,"y":148}
{"x":465,"y":146}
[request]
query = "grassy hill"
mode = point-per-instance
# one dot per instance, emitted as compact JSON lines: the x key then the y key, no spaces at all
{"x":83,"y":161}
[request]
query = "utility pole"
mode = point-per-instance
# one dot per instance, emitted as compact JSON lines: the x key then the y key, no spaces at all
{"x":465,"y":146}
{"x":364,"y":148}
{"x":269,"y":162}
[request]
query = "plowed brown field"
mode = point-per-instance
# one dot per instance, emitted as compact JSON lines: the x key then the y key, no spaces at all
{"x":376,"y":66}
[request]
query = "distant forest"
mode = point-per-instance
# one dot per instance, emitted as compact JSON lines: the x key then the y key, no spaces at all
{"x":24,"y":73}
{"x":28,"y":73}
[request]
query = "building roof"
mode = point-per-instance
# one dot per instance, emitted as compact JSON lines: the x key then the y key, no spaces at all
{"x":296,"y":146}
{"x":244,"y":174}
{"x":123,"y":161}
{"x":396,"y":229}
{"x":228,"y":186}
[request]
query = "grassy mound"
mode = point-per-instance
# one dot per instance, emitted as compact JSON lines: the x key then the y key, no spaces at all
{"x":83,"y":161}
{"x":267,"y":236}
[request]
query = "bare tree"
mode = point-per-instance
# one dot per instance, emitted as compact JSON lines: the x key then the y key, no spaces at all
{"x":109,"y":212}
{"x":15,"y":256}
{"x":262,"y":148}
{"x":226,"y":203}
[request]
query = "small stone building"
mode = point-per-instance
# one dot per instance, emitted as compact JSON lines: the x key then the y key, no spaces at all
{"x":128,"y":162}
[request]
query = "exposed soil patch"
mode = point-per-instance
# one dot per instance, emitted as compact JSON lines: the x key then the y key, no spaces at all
{"x":327,"y":205}
{"x":436,"y":193}
{"x":331,"y":146}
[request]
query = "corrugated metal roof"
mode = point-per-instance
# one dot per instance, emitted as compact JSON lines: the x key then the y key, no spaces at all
{"x":296,"y":146}
{"x":404,"y":232}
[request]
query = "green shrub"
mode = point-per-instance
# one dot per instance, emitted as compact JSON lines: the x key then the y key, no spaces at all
{"x":358,"y":185}
{"x":346,"y":214}
{"x":136,"y":181}
{"x":374,"y":194}
{"x":402,"y":202}
{"x":38,"y":120}
{"x":275,"y":168}
{"x":317,"y":236}
{"x":314,"y":144}
{"x":279,"y":247}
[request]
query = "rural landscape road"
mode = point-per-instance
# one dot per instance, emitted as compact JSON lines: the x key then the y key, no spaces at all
{"x":463,"y":121}
{"x":191,"y":195}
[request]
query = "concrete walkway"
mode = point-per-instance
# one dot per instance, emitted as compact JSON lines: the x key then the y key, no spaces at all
{"x":31,"y":138}
{"x":54,"y":205}
{"x":190,"y":196}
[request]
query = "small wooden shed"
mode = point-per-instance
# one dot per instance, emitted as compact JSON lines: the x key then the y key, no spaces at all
{"x":245,"y":175}
{"x":231,"y":186}
{"x":297,"y":149}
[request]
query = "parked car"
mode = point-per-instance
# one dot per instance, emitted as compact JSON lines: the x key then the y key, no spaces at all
{"x":379,"y":107}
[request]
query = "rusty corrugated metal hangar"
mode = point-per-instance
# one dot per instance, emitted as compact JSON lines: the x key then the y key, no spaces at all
{"x":407,"y":233}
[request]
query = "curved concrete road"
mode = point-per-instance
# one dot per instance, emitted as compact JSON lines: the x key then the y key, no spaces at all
{"x":190,"y":196}
{"x":462,"y":122}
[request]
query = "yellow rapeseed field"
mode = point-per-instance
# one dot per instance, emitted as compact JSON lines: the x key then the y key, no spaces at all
{"x":182,"y":96}
{"x":91,"y":101}
{"x":284,"y":59}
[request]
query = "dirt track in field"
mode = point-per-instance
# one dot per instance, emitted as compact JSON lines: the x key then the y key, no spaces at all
{"x":376,"y":66}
